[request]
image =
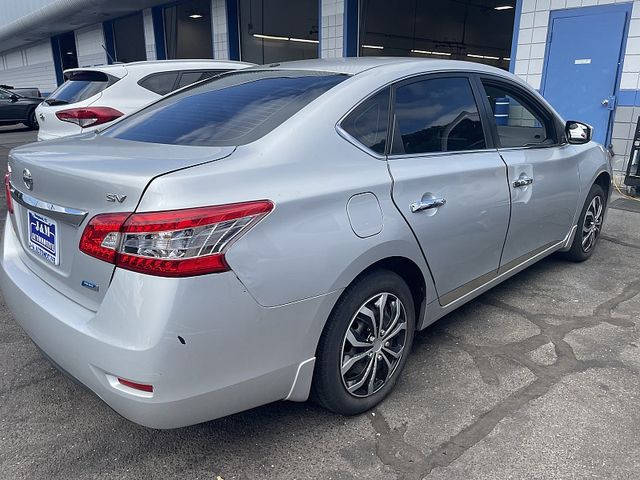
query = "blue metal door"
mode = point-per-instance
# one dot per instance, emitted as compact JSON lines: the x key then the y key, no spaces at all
{"x":581,"y":72}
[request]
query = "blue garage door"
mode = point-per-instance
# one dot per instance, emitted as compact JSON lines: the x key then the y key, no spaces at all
{"x":581,"y":73}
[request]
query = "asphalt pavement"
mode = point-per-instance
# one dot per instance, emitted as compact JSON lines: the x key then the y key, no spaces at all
{"x":536,"y":379}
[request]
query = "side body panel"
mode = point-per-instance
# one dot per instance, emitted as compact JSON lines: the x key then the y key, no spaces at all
{"x":542,"y":213}
{"x":462,"y":240}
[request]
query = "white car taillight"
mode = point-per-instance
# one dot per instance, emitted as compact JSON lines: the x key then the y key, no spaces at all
{"x":176,"y":243}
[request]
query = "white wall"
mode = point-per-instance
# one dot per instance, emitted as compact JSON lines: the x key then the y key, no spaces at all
{"x":31,"y":66}
{"x":220,"y":30}
{"x":331,"y":28}
{"x":149,"y":38}
{"x":89,"y":42}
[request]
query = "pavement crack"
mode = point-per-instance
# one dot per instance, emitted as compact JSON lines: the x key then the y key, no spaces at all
{"x":411,"y":464}
{"x":619,"y":242}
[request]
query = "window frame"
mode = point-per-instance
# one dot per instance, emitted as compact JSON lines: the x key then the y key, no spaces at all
{"x":488,"y":137}
{"x":354,"y":141}
{"x":512,"y":88}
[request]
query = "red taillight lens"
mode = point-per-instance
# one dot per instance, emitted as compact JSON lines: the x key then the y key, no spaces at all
{"x":89,"y":116}
{"x":100,"y":237}
{"x":177,"y":243}
{"x":7,"y":191}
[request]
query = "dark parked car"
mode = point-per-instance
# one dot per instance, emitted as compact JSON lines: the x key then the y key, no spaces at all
{"x":32,"y":92}
{"x":16,"y":108}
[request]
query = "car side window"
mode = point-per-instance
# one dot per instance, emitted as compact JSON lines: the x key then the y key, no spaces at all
{"x":187,"y":78}
{"x":4,"y":95}
{"x":518,"y":122}
{"x":160,"y":83}
{"x":436,"y":115}
{"x":368,"y":122}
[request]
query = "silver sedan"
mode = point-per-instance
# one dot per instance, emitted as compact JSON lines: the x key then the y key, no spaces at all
{"x":283,"y":231}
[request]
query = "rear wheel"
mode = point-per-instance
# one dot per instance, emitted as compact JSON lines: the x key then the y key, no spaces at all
{"x":32,"y":120}
{"x":589,"y":226}
{"x":365,"y":344}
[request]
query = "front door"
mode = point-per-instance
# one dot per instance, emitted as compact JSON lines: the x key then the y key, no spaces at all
{"x":541,"y":167}
{"x":449,"y":186}
{"x":581,"y":72}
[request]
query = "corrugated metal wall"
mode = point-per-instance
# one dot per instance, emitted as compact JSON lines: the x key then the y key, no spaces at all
{"x":31,"y":66}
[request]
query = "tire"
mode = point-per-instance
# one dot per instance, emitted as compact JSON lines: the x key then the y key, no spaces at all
{"x":32,"y":120}
{"x":584,"y":242}
{"x":385,"y":353}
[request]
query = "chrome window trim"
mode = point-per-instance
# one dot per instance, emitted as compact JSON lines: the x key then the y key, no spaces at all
{"x":440,"y":154}
{"x":349,"y":138}
{"x":68,"y":215}
{"x":391,"y":84}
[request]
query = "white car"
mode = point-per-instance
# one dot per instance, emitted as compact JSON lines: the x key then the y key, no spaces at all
{"x":94,"y":96}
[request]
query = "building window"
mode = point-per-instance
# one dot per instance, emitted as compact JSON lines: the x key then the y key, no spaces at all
{"x":473,"y":30}
{"x":67,"y":50}
{"x":187,"y":30}
{"x":278,"y":30}
{"x":128,"y":38}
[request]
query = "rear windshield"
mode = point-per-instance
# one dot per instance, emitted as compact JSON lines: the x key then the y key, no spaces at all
{"x":235,"y":109}
{"x":80,"y":86}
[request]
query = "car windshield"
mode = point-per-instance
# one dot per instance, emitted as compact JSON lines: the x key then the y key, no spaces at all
{"x":235,"y":109}
{"x":80,"y":86}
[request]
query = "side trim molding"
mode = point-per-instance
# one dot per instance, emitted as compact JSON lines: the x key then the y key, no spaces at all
{"x":469,"y":290}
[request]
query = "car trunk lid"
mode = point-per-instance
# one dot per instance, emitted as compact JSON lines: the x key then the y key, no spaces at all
{"x":72,"y":181}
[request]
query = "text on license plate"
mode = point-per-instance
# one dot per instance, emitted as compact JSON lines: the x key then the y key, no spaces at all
{"x":43,"y":239}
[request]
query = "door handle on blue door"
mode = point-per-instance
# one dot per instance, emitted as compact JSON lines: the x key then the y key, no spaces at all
{"x":523,"y":181}
{"x":427,"y":204}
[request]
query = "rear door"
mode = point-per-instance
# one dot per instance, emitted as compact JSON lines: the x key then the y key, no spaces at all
{"x":449,"y":183}
{"x":542,"y":170}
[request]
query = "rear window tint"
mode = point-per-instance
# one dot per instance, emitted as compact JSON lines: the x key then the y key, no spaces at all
{"x":80,"y":86}
{"x":234,"y":109}
{"x":160,"y":83}
{"x":368,"y":123}
{"x":187,"y":77}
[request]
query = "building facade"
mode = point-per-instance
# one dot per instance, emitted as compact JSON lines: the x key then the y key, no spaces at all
{"x":582,"y":55}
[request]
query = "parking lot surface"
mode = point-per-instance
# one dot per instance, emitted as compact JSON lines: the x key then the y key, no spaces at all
{"x":538,"y":378}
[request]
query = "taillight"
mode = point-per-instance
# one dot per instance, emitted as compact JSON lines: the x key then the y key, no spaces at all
{"x":7,"y":191}
{"x":89,"y":116}
{"x":176,"y":243}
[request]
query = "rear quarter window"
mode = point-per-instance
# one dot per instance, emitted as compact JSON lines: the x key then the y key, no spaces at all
{"x":235,"y":109}
{"x":160,"y":83}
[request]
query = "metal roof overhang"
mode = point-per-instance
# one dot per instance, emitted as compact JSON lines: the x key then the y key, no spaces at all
{"x":64,"y":15}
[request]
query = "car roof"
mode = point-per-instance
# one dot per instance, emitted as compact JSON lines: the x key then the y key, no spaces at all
{"x":359,"y":65}
{"x":151,"y":66}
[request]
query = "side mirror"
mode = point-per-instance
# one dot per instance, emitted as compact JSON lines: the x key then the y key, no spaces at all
{"x":14,"y":97}
{"x":578,"y":133}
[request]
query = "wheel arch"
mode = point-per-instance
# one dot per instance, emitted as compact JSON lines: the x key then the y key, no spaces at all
{"x":415,"y":278}
{"x":604,"y":180}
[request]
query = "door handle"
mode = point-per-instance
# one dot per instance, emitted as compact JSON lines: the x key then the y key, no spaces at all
{"x":523,"y":181}
{"x":427,"y":204}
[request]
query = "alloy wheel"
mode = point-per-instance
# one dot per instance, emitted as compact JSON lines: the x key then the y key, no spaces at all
{"x":592,"y":223}
{"x":373,"y":345}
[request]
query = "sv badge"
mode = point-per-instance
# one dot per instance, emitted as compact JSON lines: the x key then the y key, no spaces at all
{"x":114,"y":197}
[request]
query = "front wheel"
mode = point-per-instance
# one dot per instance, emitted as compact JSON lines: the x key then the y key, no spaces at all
{"x":365,"y":344}
{"x":589,"y":226}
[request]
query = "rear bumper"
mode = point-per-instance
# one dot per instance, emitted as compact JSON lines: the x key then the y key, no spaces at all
{"x":48,"y":136}
{"x":236,"y":354}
